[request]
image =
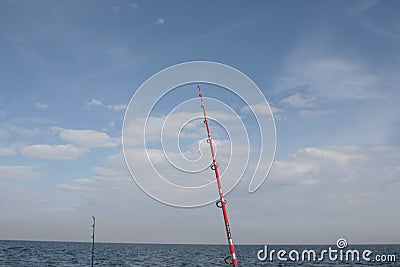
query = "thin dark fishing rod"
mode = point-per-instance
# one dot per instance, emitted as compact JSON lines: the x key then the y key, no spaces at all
{"x":221,"y":202}
{"x":93,"y":226}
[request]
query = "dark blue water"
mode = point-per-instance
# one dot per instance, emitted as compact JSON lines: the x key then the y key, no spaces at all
{"x":34,"y":253}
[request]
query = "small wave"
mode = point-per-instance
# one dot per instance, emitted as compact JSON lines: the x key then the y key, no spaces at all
{"x":18,"y":247}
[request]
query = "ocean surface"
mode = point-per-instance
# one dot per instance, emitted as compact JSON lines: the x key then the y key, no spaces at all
{"x":41,"y":253}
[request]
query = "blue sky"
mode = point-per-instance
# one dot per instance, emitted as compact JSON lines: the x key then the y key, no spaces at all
{"x":329,"y":69}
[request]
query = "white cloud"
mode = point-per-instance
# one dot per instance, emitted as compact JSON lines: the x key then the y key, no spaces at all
{"x":97,"y":103}
{"x":160,"y":21}
{"x":117,"y":107}
{"x":314,"y":113}
{"x":79,"y":143}
{"x":19,"y":172}
{"x":328,"y":79}
{"x":54,"y":152}
{"x":102,"y":179}
{"x":87,"y":139}
{"x":21,"y":130}
{"x":80,"y":185}
{"x":111,"y":125}
{"x":3,"y":133}
{"x":297,"y":100}
{"x":172,"y":124}
{"x":113,"y":176}
{"x":276,"y":110}
{"x":343,"y":166}
{"x":322,"y":188}
{"x":5,"y":151}
{"x":260,"y":108}
{"x":40,"y":105}
{"x":343,"y":154}
{"x":94,"y":103}
{"x":40,"y":120}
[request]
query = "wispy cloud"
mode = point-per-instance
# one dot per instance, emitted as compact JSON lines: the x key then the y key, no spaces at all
{"x":116,"y":8}
{"x":134,"y":5}
{"x":361,"y":6}
{"x":261,"y":108}
{"x":325,"y":182}
{"x":232,"y":26}
{"x":94,"y":103}
{"x":171,"y":130}
{"x":116,"y":107}
{"x":314,"y":113}
{"x":103,"y":177}
{"x":367,"y":16}
{"x":113,"y":176}
{"x":52,"y":152}
{"x":40,"y":105}
{"x":359,"y":179}
{"x":160,"y":21}
{"x":79,"y":143}
{"x":391,"y":31}
{"x":344,"y":165}
{"x":97,"y":103}
{"x":5,"y":151}
{"x":19,"y":172}
{"x":298,"y":100}
{"x":21,"y":130}
{"x":125,"y":5}
{"x":328,"y":79}
{"x":87,"y":139}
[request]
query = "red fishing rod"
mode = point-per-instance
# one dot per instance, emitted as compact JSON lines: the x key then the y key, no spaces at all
{"x":221,"y":202}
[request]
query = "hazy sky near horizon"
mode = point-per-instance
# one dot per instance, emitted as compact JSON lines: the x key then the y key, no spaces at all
{"x":329,"y":69}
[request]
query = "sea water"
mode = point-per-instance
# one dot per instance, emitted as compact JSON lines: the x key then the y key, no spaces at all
{"x":43,"y":253}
